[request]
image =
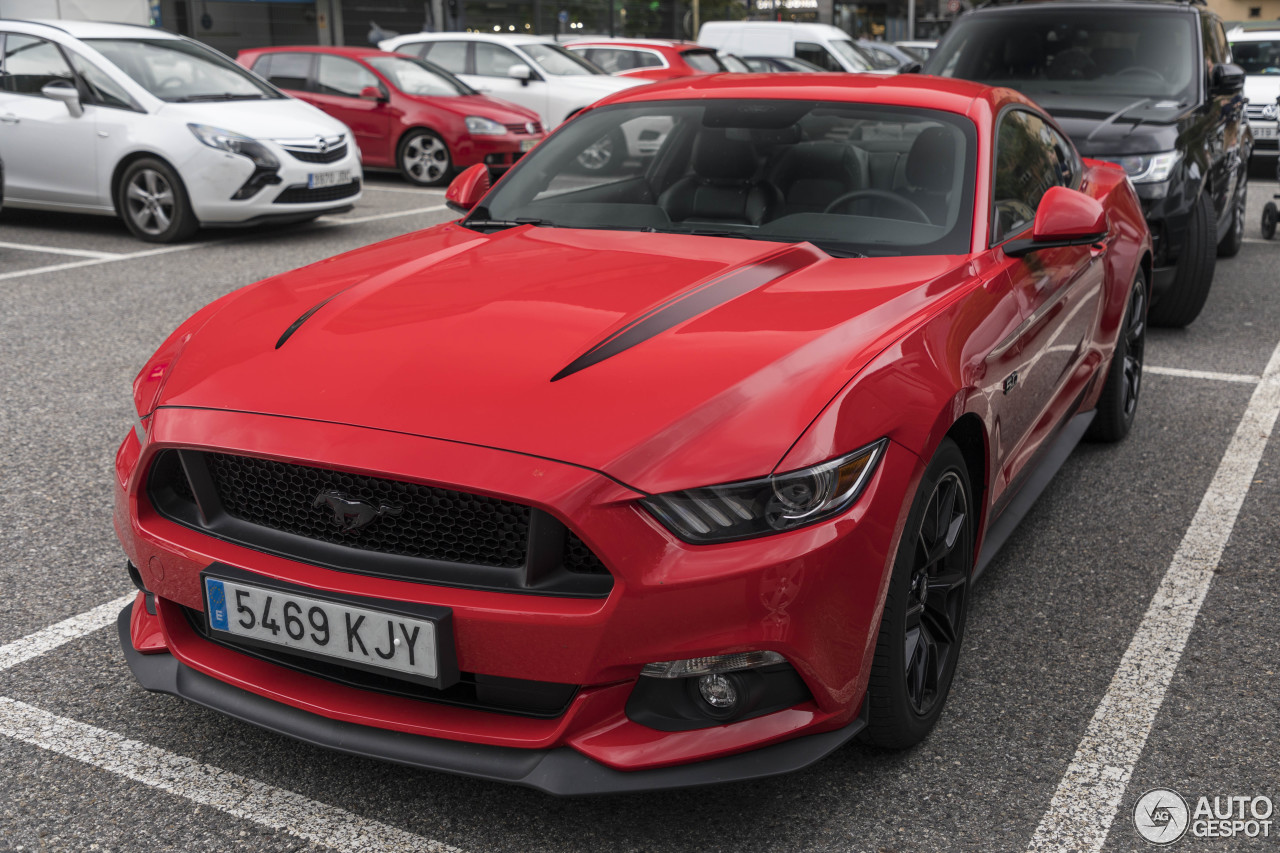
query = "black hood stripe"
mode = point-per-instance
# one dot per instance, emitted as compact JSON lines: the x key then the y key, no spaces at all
{"x":297,"y":324}
{"x":690,"y":304}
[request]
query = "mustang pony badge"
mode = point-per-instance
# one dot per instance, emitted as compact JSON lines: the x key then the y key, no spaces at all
{"x":351,"y":514}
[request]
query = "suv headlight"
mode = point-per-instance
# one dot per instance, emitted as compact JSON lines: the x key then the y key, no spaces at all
{"x":1148,"y":168}
{"x":751,"y":508}
{"x":484,"y":126}
{"x":235,"y":143}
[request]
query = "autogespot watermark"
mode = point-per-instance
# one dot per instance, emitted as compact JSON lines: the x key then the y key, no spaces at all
{"x":1162,"y":816}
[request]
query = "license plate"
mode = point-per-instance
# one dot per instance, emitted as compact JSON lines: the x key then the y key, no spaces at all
{"x":413,"y":647}
{"x":1264,"y":132}
{"x":527,"y":144}
{"x":318,"y":180}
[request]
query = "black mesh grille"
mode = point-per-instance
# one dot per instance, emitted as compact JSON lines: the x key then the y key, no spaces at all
{"x":433,"y":523}
{"x":579,"y":558}
{"x":330,"y":156}
{"x":304,"y":195}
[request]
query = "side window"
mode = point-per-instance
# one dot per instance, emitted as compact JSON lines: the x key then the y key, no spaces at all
{"x":103,"y":91}
{"x":449,"y":55}
{"x":818,"y":55}
{"x":493,"y":60}
{"x":342,"y":77}
{"x":1030,"y":158}
{"x":613,"y":59}
{"x":286,"y":70}
{"x":31,"y":63}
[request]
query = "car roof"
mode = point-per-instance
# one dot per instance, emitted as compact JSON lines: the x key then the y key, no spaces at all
{"x":1051,"y":6}
{"x":675,"y":44}
{"x":910,"y":90}
{"x":1240,"y":34}
{"x":98,"y":29}
{"x":353,"y":52}
{"x":500,"y":38}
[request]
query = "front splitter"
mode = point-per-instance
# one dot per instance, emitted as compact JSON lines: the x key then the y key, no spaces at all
{"x":561,"y":771}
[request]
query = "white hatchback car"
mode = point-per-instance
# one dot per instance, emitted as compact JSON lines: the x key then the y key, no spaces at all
{"x":531,"y":71}
{"x":161,"y":130}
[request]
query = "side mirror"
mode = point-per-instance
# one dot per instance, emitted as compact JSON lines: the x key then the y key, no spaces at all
{"x":375,"y":93}
{"x":911,"y":68}
{"x":1066,"y":217}
{"x":520,"y":72}
{"x":60,"y":90}
{"x":1227,"y":79}
{"x":468,"y":188}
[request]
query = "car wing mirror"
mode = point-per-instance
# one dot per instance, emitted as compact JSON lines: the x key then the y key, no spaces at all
{"x":375,"y":93}
{"x":468,"y":188}
{"x":911,"y":68}
{"x":1066,"y":217}
{"x":60,"y":90}
{"x":1227,"y":79}
{"x":520,"y":72}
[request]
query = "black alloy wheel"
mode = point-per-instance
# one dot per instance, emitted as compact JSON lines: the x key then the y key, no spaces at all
{"x":925,"y":607}
{"x":1118,"y":403}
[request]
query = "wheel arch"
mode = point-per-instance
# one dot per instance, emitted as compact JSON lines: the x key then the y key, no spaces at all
{"x":117,"y":175}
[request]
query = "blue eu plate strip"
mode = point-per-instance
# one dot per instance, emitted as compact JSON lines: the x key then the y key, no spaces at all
{"x":217,"y":597}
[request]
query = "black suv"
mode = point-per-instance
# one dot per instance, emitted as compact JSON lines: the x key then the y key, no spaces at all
{"x":1147,"y":84}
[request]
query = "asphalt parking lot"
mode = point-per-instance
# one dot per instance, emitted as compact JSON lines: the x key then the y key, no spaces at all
{"x":1124,"y":640}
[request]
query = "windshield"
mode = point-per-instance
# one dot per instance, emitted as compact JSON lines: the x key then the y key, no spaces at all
{"x":178,"y":70}
{"x":853,"y":179}
{"x":1257,"y":57}
{"x":558,"y":62}
{"x":417,"y":77}
{"x":853,"y":54}
{"x":1094,"y":52}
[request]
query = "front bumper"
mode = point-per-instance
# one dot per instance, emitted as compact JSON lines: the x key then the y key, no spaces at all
{"x":497,"y":151}
{"x":813,"y":595}
{"x":558,"y":770}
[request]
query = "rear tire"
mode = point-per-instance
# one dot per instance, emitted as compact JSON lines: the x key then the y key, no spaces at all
{"x":153,"y":202}
{"x":1194,"y":275}
{"x":1269,"y":215}
{"x":925,"y":607}
{"x":1118,"y":404}
{"x":1230,"y":245}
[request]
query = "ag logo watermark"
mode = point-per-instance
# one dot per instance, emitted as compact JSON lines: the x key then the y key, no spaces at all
{"x":1162,"y":816}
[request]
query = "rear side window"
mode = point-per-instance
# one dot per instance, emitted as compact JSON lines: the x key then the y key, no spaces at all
{"x":31,"y":63}
{"x":703,"y":60}
{"x":1030,"y":158}
{"x":286,"y":70}
{"x":449,"y":55}
{"x":343,"y":77}
{"x":614,"y":59}
{"x":818,"y":55}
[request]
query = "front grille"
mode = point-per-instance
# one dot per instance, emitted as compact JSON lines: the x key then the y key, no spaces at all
{"x":435,"y":523}
{"x":302,"y":194}
{"x":373,"y":525}
{"x":543,"y":699}
{"x":331,"y":155}
{"x":524,"y":128}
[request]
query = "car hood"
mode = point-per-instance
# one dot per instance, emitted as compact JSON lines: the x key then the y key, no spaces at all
{"x":666,"y":361}
{"x":503,"y":112}
{"x":1108,"y":126}
{"x":1261,"y":89}
{"x":274,"y":118}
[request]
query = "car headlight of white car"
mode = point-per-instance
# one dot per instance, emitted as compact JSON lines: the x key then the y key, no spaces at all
{"x":236,"y":143}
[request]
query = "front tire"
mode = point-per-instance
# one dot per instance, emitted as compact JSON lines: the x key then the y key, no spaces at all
{"x":424,"y":159}
{"x":1118,"y":404}
{"x":925,"y":607}
{"x":1230,"y":245}
{"x":1194,"y":274}
{"x":153,"y":202}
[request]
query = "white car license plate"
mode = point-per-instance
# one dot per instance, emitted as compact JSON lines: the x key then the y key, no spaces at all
{"x":318,"y":180}
{"x":363,"y":637}
{"x":527,"y":144}
{"x":1264,"y":132}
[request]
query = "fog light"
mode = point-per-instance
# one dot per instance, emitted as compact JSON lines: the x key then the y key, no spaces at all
{"x":718,"y":692}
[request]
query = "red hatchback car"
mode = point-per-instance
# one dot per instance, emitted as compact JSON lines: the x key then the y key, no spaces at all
{"x":650,"y":59}
{"x":665,"y":477}
{"x":404,"y":112}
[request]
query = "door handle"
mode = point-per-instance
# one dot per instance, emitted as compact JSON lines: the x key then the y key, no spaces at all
{"x":9,"y":118}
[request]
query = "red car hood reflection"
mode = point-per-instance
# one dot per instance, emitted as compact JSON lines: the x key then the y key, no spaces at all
{"x":677,"y":360}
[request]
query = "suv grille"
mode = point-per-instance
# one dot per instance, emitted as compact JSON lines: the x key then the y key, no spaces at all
{"x":374,"y":526}
{"x":332,"y":155}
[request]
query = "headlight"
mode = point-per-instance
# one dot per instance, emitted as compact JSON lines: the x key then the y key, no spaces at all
{"x":484,"y":126}
{"x":769,"y":505}
{"x":235,"y":143}
{"x":1149,"y":168}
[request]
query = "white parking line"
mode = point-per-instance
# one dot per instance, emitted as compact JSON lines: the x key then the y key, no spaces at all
{"x":1090,"y":792}
{"x":1203,"y":374}
{"x":419,"y":191}
{"x":48,"y":639}
{"x":95,"y":261}
{"x":54,"y":250}
{"x":344,"y":220}
{"x":208,"y":785}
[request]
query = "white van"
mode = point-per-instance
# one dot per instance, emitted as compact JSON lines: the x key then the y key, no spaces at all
{"x":830,"y":48}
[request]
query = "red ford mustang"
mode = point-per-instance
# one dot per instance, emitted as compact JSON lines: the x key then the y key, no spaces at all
{"x":667,"y":477}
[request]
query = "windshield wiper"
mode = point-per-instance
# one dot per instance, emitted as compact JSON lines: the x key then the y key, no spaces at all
{"x":508,"y":223}
{"x":221,"y":96}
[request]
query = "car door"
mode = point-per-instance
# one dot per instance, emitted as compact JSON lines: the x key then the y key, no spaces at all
{"x":49,"y":154}
{"x":491,"y":67}
{"x":1224,"y":119}
{"x":338,"y":84}
{"x":1060,"y":289}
